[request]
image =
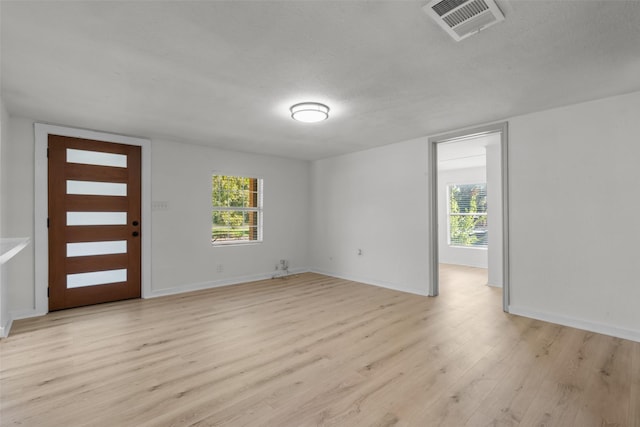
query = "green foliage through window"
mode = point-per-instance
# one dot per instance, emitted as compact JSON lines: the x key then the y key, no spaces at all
{"x":468,"y":215}
{"x":237,"y":209}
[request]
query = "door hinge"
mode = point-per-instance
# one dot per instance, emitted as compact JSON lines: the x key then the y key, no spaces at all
{"x":47,"y":152}
{"x":47,"y":222}
{"x":47,"y":292}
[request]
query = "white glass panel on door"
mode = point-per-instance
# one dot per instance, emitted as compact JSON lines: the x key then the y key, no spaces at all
{"x":79,"y":280}
{"x":95,"y":188}
{"x":96,"y":218}
{"x":97,"y":158}
{"x":97,"y":248}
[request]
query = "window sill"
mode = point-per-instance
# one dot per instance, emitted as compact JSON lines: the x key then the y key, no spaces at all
{"x":250,"y":243}
{"x":482,"y":248}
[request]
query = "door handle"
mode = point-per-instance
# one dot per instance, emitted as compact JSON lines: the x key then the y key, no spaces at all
{"x":135,"y":234}
{"x":135,"y":223}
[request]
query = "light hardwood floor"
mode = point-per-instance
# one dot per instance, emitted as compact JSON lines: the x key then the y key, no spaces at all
{"x":312,"y":350}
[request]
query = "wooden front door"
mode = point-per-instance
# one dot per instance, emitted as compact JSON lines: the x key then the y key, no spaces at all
{"x":94,"y":222}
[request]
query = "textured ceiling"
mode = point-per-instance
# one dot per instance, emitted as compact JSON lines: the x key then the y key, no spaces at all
{"x":224,"y":73}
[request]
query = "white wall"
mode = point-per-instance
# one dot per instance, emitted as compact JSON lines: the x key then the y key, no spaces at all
{"x":182,"y":256}
{"x":18,"y":213}
{"x":574,"y":228}
{"x":182,"y":253}
{"x":4,"y":308}
{"x":373,"y":200}
{"x":474,"y":257}
{"x":573,"y":215}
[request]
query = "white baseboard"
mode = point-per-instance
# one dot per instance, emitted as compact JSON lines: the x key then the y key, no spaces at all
{"x":25,"y":314}
{"x":381,"y":284}
{"x":17,"y":315}
{"x":218,"y":283}
{"x":614,"y":331}
{"x":4,"y":329}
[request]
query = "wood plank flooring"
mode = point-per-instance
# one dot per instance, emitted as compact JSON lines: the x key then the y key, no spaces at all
{"x":311,"y":350}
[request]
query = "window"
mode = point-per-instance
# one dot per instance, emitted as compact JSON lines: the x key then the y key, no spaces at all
{"x":468,"y":215}
{"x":237,"y":210}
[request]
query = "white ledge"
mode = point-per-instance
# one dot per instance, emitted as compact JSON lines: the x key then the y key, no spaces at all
{"x":9,"y":247}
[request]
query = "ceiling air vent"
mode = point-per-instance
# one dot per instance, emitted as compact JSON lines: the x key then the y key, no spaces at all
{"x":463,"y":18}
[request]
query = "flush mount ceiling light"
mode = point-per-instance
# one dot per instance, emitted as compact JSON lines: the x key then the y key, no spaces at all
{"x":309,"y":112}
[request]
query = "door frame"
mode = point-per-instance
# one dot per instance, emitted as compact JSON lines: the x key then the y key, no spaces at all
{"x":41,"y":204}
{"x":502,"y":128}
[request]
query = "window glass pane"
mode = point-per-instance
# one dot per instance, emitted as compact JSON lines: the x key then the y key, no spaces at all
{"x":468,"y":198}
{"x":234,"y":191}
{"x":95,"y":188}
{"x":96,"y":218}
{"x":234,"y":225}
{"x":467,"y":215}
{"x":237,"y":208}
{"x":97,"y":158}
{"x":79,"y":280}
{"x":96,"y":248}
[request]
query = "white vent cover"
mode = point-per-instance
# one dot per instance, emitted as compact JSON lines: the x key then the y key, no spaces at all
{"x":463,"y":18}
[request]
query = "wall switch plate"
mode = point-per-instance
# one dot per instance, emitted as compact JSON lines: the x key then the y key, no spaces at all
{"x":158,"y":205}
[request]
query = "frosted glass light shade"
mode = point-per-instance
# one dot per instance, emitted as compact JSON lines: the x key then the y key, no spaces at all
{"x":309,"y":112}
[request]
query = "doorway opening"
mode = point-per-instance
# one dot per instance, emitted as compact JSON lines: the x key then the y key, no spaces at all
{"x":469,"y":222}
